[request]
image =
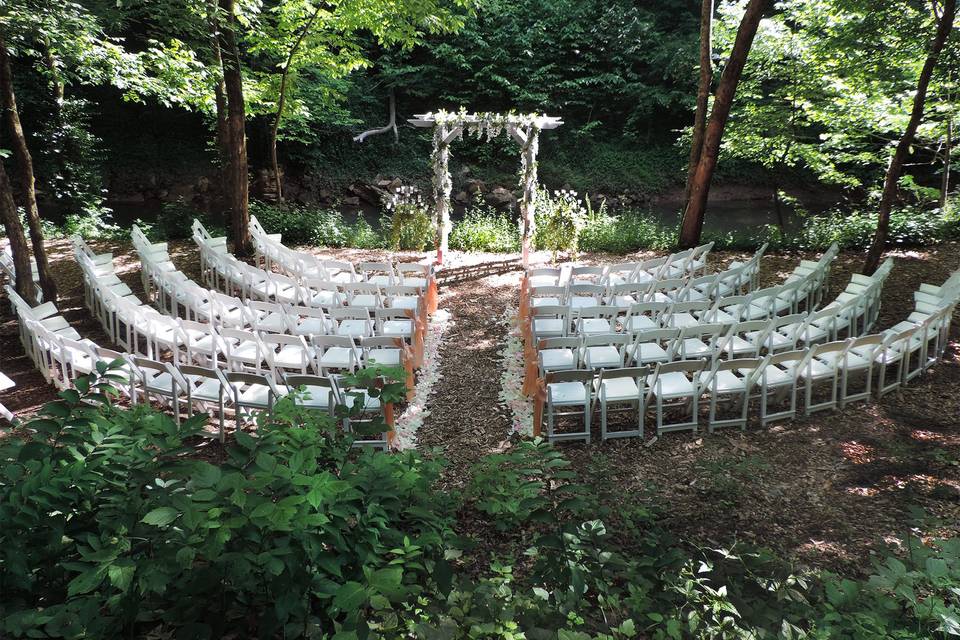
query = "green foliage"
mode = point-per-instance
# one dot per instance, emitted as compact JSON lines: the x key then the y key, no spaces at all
{"x":530,"y":483}
{"x":111,"y":527}
{"x":301,"y":225}
{"x":109,"y":530}
{"x":560,"y":218}
{"x":624,"y":233}
{"x":407,"y":222}
{"x":484,"y":228}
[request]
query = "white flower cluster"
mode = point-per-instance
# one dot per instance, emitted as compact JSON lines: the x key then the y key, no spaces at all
{"x":511,"y":381}
{"x":410,"y":421}
{"x":405,"y":195}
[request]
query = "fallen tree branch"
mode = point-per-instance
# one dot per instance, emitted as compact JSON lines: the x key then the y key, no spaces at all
{"x":392,"y":124}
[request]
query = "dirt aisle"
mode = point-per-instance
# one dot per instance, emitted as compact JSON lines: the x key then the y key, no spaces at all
{"x":466,"y":419}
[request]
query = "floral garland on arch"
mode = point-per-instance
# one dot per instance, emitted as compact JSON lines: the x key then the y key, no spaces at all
{"x":511,"y":380}
{"x":409,"y":422}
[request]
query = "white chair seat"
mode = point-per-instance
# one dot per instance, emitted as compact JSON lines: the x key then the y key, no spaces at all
{"x":578,"y":302}
{"x":414,"y":281}
{"x":673,"y":385}
{"x":404,"y":302}
{"x":273,"y":323}
{"x":681,"y":320}
{"x":737,"y":346}
{"x":640,"y":323}
{"x":648,"y":352}
{"x":545,"y":302}
{"x":542,"y":281}
{"x":206,"y":391}
{"x":816,"y":370}
{"x":812,"y":333}
{"x":775,"y":376}
{"x":853,"y":361}
{"x":364,"y":300}
{"x":337,"y":358}
{"x":726,"y":381}
{"x":773,"y":340}
{"x":291,"y":355}
{"x":325,"y":299}
{"x":256,"y":395}
{"x":603,"y":357}
{"x":248,"y":352}
{"x":566,"y":393}
{"x":160,"y":383}
{"x":595,"y":325}
{"x":382,"y":279}
{"x":620,"y":389}
{"x":400,"y":328}
{"x":548,"y":326}
{"x":313,"y":327}
{"x":353,"y":328}
{"x":368,"y":403}
{"x":316,"y":397}
{"x":558,"y":359}
{"x":623,"y":301}
{"x":695,"y":347}
{"x":386,"y":357}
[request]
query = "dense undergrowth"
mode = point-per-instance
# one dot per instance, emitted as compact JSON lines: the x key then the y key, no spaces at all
{"x":111,"y":526}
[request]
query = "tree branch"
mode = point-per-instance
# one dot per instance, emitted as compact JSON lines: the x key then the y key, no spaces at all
{"x":391,"y":124}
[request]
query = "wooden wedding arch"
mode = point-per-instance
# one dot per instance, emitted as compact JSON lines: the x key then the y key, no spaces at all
{"x":450,"y":126}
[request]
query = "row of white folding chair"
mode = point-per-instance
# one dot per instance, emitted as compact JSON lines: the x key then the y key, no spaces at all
{"x":300,"y":265}
{"x":866,"y":291}
{"x":8,"y":269}
{"x":776,"y":380}
{"x":62,"y":357}
{"x":815,"y":275}
{"x":31,"y":319}
{"x":5,"y":385}
{"x":176,"y":292}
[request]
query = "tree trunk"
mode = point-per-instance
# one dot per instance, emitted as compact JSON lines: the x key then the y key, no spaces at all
{"x":945,"y":179}
{"x":895,"y":169}
{"x":703,"y":91}
{"x":692,"y":224}
{"x":18,"y":242}
{"x":220,"y":103}
{"x":21,"y":155}
{"x":236,"y":147}
{"x":275,"y":128}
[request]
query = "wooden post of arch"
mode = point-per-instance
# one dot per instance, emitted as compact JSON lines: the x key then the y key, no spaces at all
{"x":448,"y":128}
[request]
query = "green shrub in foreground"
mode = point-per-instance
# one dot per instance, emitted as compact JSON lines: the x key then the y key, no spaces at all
{"x":483,"y":228}
{"x":111,"y":527}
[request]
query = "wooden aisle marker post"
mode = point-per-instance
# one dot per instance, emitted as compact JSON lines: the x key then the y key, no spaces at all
{"x":450,"y":126}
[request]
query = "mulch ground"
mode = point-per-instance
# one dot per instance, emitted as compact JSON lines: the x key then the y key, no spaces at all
{"x":829,"y":490}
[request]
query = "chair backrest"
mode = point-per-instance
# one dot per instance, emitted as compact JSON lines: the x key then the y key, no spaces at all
{"x":350,"y":313}
{"x":637,"y":373}
{"x":326,"y":341}
{"x":271,"y":339}
{"x":380,"y":342}
{"x":559,"y":343}
{"x":607,"y":339}
{"x":296,"y":381}
{"x":573,"y":375}
{"x":551,"y":311}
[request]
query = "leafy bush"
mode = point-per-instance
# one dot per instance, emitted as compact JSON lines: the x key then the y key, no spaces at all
{"x":176,"y":219}
{"x":484,"y":228}
{"x":560,"y":217}
{"x":624,"y":233}
{"x":110,"y":528}
{"x":407,"y":222}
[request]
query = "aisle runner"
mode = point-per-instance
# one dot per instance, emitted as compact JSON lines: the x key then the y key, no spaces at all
{"x":410,"y":420}
{"x":511,"y":382}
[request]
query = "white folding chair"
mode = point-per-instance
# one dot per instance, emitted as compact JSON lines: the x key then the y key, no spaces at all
{"x":654,"y":346}
{"x":206,"y":387}
{"x":605,"y":351}
{"x":286,"y":353}
{"x":315,"y":392}
{"x":822,"y":366}
{"x":731,"y":384}
{"x":676,"y":386}
{"x":558,"y":354}
{"x":159,"y":380}
{"x":624,"y":390}
{"x":569,"y":393}
{"x":337,"y":354}
{"x":244,"y":351}
{"x":253,"y":393}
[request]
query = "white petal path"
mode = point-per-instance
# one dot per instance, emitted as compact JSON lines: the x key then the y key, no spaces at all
{"x":511,"y":381}
{"x":407,"y":424}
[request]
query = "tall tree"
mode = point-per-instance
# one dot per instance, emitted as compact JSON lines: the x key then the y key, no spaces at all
{"x":703,"y":91}
{"x":24,"y":162}
{"x":236,"y":170}
{"x":692,"y":225}
{"x":947,"y":15}
{"x":18,"y":242}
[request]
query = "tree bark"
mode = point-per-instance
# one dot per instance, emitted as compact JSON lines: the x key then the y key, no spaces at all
{"x":703,"y":91}
{"x":945,"y":179}
{"x":220,"y":102}
{"x":895,"y":168}
{"x":24,"y":161}
{"x":18,"y":241}
{"x":692,"y":225}
{"x":236,"y":147}
{"x":281,"y":101}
